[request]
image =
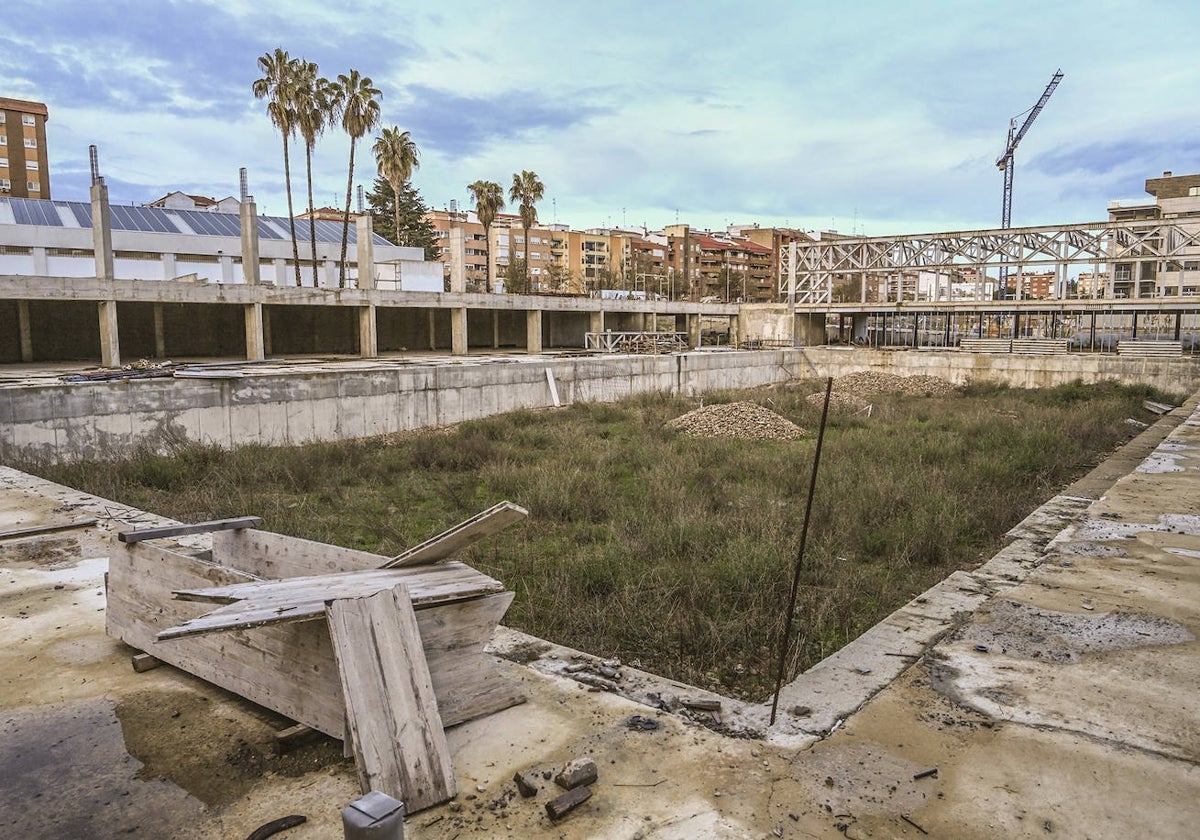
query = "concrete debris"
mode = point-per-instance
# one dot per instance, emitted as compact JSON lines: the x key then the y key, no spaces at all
{"x":579,"y":771}
{"x":743,"y":420}
{"x":853,"y":392}
{"x":526,"y":784}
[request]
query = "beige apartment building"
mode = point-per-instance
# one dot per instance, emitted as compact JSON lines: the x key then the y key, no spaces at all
{"x":24,"y":163}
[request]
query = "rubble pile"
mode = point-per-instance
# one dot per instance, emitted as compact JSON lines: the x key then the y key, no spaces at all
{"x":744,"y":420}
{"x":853,"y":391}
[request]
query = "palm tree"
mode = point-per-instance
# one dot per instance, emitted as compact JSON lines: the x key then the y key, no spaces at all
{"x":315,"y":101}
{"x":527,"y":191}
{"x":489,"y":200}
{"x":280,"y":74}
{"x":396,"y":157}
{"x":359,"y":107}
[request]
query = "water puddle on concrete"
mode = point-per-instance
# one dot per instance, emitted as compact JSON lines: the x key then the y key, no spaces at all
{"x":1018,"y":629}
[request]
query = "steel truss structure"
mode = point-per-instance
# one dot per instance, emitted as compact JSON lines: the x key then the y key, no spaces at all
{"x":1130,"y":254}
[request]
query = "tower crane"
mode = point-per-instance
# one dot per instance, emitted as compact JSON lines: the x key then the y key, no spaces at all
{"x":1005,"y":163}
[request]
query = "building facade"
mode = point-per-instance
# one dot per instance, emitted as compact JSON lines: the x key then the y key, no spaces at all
{"x":24,"y":162}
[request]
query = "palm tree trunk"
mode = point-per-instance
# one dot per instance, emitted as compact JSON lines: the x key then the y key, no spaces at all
{"x":528,"y":283}
{"x":487,"y":258}
{"x":312,"y":222}
{"x":396,"y":226}
{"x":346,"y":219}
{"x":287,"y":176}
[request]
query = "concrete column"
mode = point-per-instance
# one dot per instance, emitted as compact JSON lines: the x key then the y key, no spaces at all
{"x":256,"y":343}
{"x":809,"y":329}
{"x":858,"y":327}
{"x":24,"y":328}
{"x":226,"y":263}
{"x":251,"y":272}
{"x":266,"y":331}
{"x":495,"y":329}
{"x":432,"y":329}
{"x":170,"y":272}
{"x":102,"y":232}
{"x":368,"y":336}
{"x":791,"y":274}
{"x":735,"y":330}
{"x":596,"y":321}
{"x":693,"y":330}
{"x":160,"y":336}
{"x":533,"y":331}
{"x":458,"y":259}
{"x":41,"y":265}
{"x":458,"y":331}
{"x":281,"y":272}
{"x":364,"y":232}
{"x":110,"y":345}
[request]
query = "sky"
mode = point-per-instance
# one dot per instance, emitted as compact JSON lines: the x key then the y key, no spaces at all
{"x":866,"y":117}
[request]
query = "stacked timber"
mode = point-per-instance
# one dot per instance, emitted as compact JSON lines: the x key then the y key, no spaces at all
{"x":1149,"y":349}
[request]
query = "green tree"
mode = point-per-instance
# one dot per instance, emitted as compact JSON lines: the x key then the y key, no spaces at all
{"x":516,"y":277}
{"x":559,"y":278}
{"x":278,"y":85}
{"x":396,"y":157}
{"x":526,"y":191}
{"x":358,"y":103}
{"x":400,"y":217}
{"x":315,"y":101}
{"x":489,"y":200}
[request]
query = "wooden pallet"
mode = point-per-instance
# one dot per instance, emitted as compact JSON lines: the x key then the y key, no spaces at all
{"x":1149,"y":349}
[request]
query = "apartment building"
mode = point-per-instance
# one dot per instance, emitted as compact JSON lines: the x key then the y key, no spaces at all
{"x":776,"y":239}
{"x":1176,"y":197}
{"x":24,"y":163}
{"x":720,"y":266}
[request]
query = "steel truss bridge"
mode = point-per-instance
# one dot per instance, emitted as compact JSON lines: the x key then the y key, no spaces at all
{"x":1122,"y":259}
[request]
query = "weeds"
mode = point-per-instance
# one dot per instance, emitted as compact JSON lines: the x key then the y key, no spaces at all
{"x":669,"y":550}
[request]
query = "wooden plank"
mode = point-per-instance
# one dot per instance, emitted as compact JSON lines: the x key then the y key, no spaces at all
{"x":289,"y":668}
{"x":37,"y":530}
{"x":143,"y":662}
{"x":194,"y":528}
{"x":304,"y":598}
{"x":277,"y":556}
{"x":396,"y":732}
{"x":465,"y":534}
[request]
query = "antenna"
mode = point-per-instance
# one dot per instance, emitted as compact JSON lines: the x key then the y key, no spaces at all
{"x":94,"y":157}
{"x":244,"y":183}
{"x":360,"y":198}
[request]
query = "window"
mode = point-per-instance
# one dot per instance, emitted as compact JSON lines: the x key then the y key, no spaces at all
{"x":33,"y":186}
{"x":1,"y":118}
{"x":5,"y":184}
{"x":30,"y":142}
{"x":1193,"y":191}
{"x":28,"y":119}
{"x":3,"y":161}
{"x":3,"y":139}
{"x":535,"y":255}
{"x":31,"y":165}
{"x":520,"y":239}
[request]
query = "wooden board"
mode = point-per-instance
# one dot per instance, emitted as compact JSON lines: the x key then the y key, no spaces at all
{"x":304,"y":598}
{"x":37,"y":530}
{"x":289,"y":668}
{"x":277,"y":556}
{"x":195,"y":528}
{"x":391,"y":712}
{"x":491,"y":521}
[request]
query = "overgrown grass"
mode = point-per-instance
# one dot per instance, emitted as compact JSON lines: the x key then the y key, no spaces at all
{"x":665,"y":549}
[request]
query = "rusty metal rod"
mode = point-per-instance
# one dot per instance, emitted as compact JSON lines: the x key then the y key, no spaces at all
{"x":791,"y":611}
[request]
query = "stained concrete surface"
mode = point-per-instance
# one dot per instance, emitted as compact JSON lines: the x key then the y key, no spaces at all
{"x":1028,"y":685}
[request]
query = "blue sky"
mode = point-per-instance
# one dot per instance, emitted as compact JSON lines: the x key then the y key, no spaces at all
{"x":878,"y":117}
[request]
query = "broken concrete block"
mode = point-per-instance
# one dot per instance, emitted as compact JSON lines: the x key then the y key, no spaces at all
{"x":569,"y":801}
{"x":581,"y":771}
{"x":525,"y":784}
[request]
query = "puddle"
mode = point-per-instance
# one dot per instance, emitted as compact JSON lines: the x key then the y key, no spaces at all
{"x":1165,"y":459}
{"x":1020,"y":630}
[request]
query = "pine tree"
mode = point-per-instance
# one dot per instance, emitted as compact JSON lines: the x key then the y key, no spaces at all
{"x":415,"y":230}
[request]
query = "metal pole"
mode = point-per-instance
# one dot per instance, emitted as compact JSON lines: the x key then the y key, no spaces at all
{"x":812,"y":488}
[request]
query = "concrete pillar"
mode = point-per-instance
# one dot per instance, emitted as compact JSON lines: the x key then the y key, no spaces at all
{"x":110,"y":345}
{"x":248,"y":214}
{"x":160,"y":336}
{"x":735,"y":330}
{"x":170,"y":272}
{"x":24,"y":328}
{"x":364,"y":231}
{"x":791,"y":274}
{"x":256,"y":342}
{"x":858,"y":327}
{"x":693,"y":330}
{"x":458,"y":259}
{"x":495,"y":329}
{"x":596,"y":321}
{"x":809,"y":329}
{"x":432,"y":330}
{"x":102,"y":232}
{"x":226,"y":263}
{"x":41,"y":265}
{"x":458,"y":331}
{"x":368,"y":335}
{"x":281,"y":272}
{"x":266,"y":331}
{"x":533,"y":331}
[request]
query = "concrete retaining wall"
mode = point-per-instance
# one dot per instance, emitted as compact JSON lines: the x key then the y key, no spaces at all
{"x":1019,"y":370}
{"x":110,"y":419}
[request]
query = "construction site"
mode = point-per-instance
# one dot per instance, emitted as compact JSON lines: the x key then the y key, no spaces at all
{"x":328,"y":657}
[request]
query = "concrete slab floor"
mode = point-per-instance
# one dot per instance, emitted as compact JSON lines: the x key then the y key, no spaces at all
{"x":1064,"y":703}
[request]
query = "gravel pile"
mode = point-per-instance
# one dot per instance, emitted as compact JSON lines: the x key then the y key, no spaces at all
{"x":744,"y":420}
{"x":853,"y":392}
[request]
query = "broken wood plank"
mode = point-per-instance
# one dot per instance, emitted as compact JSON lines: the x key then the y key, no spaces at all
{"x":399,"y":744}
{"x":703,"y":705}
{"x":289,"y":668}
{"x":277,"y":556}
{"x":37,"y":530}
{"x":569,"y":801}
{"x":143,"y":662}
{"x":463,"y":535}
{"x":294,"y":737}
{"x":304,"y":598}
{"x":193,"y":528}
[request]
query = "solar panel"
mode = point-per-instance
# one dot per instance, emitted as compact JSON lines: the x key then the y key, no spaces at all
{"x":83,"y":212}
{"x":265,"y":231}
{"x":211,"y":224}
{"x":145,"y":219}
{"x":35,"y":211}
